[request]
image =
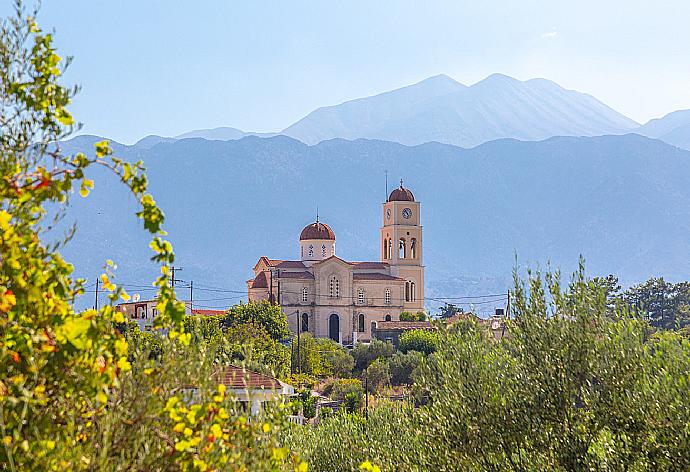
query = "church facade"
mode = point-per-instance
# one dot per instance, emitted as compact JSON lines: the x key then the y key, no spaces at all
{"x":330,"y":297}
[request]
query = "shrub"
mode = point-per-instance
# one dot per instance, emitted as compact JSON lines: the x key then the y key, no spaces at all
{"x":378,"y":376}
{"x":365,"y":354}
{"x":420,"y":340}
{"x":402,"y":365}
{"x":407,"y":316}
{"x":341,"y":387}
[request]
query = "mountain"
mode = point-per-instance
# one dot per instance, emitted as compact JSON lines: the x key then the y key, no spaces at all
{"x":151,"y":140}
{"x":621,"y":201}
{"x":443,"y":110}
{"x":221,"y":134}
{"x":673,"y":128}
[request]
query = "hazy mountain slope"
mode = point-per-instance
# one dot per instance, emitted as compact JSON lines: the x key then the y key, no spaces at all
{"x":621,"y":201}
{"x":679,"y":136}
{"x":659,"y":127}
{"x":221,"y":134}
{"x":673,"y":128}
{"x":440,"y":109}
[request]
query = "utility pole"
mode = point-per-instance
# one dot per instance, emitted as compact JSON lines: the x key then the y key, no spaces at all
{"x":173,"y":268}
{"x":508,"y":307}
{"x":366,"y":394}
{"x":191,"y":295}
{"x":96,"y":301}
{"x":278,"y":284}
{"x":270,"y":294}
{"x":299,"y":330}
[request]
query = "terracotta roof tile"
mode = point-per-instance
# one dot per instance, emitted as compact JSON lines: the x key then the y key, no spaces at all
{"x":296,"y":275}
{"x":281,"y":264}
{"x":236,"y":377}
{"x":374,"y":276}
{"x":200,"y":312}
{"x":403,"y":325}
{"x":370,"y":265}
{"x":260,"y":281}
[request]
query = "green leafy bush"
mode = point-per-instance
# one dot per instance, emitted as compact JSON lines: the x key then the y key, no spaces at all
{"x":420,"y":340}
{"x":365,"y":354}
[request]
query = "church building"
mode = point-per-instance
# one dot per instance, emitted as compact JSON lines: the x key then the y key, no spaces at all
{"x":330,"y":297}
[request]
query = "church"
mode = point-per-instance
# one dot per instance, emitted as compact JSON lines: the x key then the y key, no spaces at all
{"x":327,"y":296}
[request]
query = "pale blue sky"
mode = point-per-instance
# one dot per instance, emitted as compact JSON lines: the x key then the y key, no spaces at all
{"x":165,"y":67}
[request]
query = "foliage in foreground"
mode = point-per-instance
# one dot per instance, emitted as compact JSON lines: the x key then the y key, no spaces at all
{"x":570,"y":388}
{"x":70,"y":397}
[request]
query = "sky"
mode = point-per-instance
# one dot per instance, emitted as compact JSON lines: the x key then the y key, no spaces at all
{"x":167,"y":67}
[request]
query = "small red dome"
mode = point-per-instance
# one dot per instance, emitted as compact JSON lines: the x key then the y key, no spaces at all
{"x":401,"y":194}
{"x":317,"y":231}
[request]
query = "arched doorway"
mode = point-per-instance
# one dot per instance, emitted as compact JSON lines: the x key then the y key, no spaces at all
{"x":334,"y":327}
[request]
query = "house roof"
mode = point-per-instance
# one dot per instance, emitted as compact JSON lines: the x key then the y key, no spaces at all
{"x":260,"y":281}
{"x":370,"y":265}
{"x":296,"y":275}
{"x":281,"y":264}
{"x":202,"y":312}
{"x":374,"y":276}
{"x":403,"y":325}
{"x":236,"y":377}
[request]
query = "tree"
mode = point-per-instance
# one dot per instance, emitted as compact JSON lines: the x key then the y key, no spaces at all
{"x":448,"y":310}
{"x":271,"y":317}
{"x":378,"y":375}
{"x":320,"y":357}
{"x":570,"y":388}
{"x":69,"y":396}
{"x":664,"y":304}
{"x":407,"y":316}
{"x":402,"y":365}
{"x":365,"y":354}
{"x":339,"y":388}
{"x":420,"y":340}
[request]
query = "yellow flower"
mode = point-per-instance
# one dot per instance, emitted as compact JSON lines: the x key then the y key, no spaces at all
{"x":124,"y":364}
{"x":7,"y":440}
{"x":266,"y":427}
{"x":121,"y":346}
{"x":118,"y":317}
{"x":304,"y":467}
{"x":216,"y":430}
{"x":5,"y":218}
{"x":188,"y":432}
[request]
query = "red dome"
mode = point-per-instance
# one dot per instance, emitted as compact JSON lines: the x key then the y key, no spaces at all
{"x":317,"y":231}
{"x":401,"y":194}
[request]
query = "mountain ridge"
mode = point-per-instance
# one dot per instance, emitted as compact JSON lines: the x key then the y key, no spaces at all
{"x":229,"y":202}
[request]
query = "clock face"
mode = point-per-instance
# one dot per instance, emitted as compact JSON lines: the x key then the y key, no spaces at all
{"x":388,"y":214}
{"x":407,"y":213}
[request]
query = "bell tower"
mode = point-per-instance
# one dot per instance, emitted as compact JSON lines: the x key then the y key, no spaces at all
{"x":401,"y":244}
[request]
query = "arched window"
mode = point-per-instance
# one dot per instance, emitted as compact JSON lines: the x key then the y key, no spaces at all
{"x":360,"y":296}
{"x":413,"y":248}
{"x":323,"y":250}
{"x":387,"y":318}
{"x":390,"y":248}
{"x":334,"y":288}
{"x":360,"y":323}
{"x":403,"y":249}
{"x":305,"y":295}
{"x":387,"y":296}
{"x":311,"y":250}
{"x":385,"y":249}
{"x":410,"y":294}
{"x":305,"y":322}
